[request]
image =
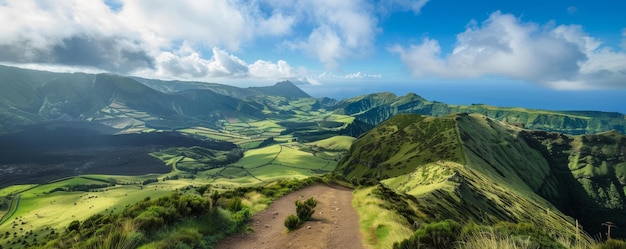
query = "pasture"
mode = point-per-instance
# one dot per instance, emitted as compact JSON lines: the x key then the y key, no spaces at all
{"x":271,"y":152}
{"x":52,"y":206}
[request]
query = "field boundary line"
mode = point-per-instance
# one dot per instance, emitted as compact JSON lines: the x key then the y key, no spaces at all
{"x":12,"y":209}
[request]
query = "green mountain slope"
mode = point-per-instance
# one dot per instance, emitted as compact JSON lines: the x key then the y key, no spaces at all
{"x":30,"y":97}
{"x":283,"y":89}
{"x":471,"y":167}
{"x":376,"y":108}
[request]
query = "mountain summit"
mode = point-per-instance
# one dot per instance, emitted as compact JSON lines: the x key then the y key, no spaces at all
{"x":283,"y":88}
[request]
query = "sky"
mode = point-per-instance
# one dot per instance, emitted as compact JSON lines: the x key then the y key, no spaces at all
{"x":561,"y":55}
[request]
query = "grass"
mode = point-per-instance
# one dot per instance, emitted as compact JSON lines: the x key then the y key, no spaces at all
{"x":425,"y":179}
{"x":494,"y":176}
{"x":294,"y":157}
{"x":400,"y":145}
{"x":42,"y":211}
{"x":490,"y":240}
{"x":335,"y":143}
{"x":15,"y":189}
{"x":380,"y":227}
{"x":258,"y":157}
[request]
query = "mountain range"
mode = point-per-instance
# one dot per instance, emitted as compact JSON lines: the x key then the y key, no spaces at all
{"x":31,"y":96}
{"x":440,"y":161}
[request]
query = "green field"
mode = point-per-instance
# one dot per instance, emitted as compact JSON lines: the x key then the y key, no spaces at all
{"x":335,"y":143}
{"x":15,"y":189}
{"x":47,"y":207}
{"x":272,"y":152}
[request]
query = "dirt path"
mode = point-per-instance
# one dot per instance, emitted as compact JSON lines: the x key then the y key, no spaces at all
{"x":335,"y":224}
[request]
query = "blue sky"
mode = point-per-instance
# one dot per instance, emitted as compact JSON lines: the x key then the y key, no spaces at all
{"x":566,"y":55}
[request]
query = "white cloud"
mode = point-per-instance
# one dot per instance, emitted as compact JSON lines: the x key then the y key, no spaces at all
{"x":340,"y":29}
{"x":71,"y":33}
{"x":360,"y":75}
{"x":188,"y":63}
{"x":130,"y":35}
{"x":406,"y":5}
{"x":213,"y":23}
{"x":174,"y":38}
{"x":561,"y":57}
{"x":269,"y":70}
{"x":349,"y":76}
{"x":276,"y":25}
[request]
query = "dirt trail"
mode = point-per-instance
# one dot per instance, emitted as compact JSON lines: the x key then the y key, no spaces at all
{"x":335,"y":223}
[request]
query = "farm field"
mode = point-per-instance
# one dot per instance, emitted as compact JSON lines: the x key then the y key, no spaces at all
{"x":44,"y":208}
{"x":268,"y":150}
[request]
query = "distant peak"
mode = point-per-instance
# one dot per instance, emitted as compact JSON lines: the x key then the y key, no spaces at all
{"x":285,"y":83}
{"x":285,"y":88}
{"x":292,"y":83}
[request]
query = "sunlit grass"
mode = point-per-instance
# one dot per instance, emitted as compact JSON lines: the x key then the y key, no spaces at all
{"x":15,"y":189}
{"x":335,"y":143}
{"x":380,"y":227}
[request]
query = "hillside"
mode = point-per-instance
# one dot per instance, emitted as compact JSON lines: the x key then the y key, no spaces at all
{"x":284,"y":88}
{"x":29,"y":97}
{"x":54,"y":150}
{"x":471,"y":167}
{"x":136,"y":104}
{"x":378,"y":107}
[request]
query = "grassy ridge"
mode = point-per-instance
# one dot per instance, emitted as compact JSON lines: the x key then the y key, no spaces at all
{"x":476,"y":169}
{"x":400,"y":145}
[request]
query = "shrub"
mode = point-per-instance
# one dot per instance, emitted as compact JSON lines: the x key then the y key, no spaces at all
{"x":305,"y":209}
{"x":235,"y":204}
{"x":74,"y":226}
{"x":442,"y":235}
{"x":292,"y":222}
{"x":311,"y":202}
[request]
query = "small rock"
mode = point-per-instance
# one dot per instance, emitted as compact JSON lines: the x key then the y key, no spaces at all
{"x":308,"y":227}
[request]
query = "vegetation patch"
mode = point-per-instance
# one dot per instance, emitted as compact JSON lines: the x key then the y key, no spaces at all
{"x":304,"y":211}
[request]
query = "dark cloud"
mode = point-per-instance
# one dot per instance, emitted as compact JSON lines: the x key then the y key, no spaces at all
{"x":112,"y":54}
{"x":109,"y":53}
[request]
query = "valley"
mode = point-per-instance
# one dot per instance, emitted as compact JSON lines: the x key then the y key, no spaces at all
{"x":152,"y":156}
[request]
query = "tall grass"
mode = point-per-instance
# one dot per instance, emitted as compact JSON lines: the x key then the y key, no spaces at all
{"x":123,"y":235}
{"x":490,"y":240}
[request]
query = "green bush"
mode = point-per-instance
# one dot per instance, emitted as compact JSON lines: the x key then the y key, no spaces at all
{"x":183,"y":238}
{"x":311,"y":202}
{"x":305,"y":209}
{"x":235,"y":204}
{"x":292,"y":222}
{"x":438,"y":235}
{"x":73,"y":226}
